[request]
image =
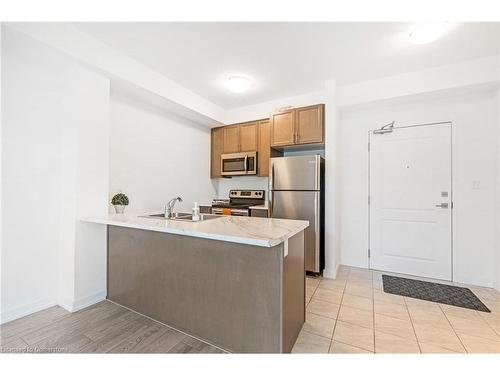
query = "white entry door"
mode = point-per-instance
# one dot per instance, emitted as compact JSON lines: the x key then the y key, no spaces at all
{"x":410,"y":201}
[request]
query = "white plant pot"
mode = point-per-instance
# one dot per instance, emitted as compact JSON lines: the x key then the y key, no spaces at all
{"x":119,"y":209}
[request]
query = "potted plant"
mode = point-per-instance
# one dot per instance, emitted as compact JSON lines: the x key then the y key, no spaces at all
{"x":119,"y":201}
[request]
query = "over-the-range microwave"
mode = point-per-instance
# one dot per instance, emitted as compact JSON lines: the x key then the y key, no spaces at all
{"x":238,"y":164}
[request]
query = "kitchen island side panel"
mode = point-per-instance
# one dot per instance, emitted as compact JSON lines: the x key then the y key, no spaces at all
{"x":228,"y":294}
{"x":294,"y":291}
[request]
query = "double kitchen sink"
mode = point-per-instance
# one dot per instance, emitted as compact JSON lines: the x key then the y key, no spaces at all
{"x":183,"y":216}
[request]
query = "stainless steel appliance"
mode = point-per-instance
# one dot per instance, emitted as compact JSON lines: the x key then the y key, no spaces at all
{"x":241,"y":163}
{"x":239,"y":202}
{"x":296,"y":191}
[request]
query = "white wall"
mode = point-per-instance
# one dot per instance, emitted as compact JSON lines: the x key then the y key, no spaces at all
{"x":475,"y":158}
{"x":497,"y":286}
{"x":263,"y":110}
{"x":155,"y":156}
{"x":84,"y":188}
{"x":332,"y":203}
{"x":31,"y":173}
{"x":498,"y":212}
{"x":469,"y":73}
{"x":113,"y":63}
{"x":54,"y":163}
{"x":241,"y":182}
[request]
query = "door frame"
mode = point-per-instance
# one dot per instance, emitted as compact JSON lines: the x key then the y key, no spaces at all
{"x":370,"y":134}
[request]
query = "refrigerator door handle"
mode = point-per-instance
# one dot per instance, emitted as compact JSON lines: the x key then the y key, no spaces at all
{"x":271,"y":201}
{"x":271,"y":182}
{"x":271,"y":176}
{"x":316,"y":227}
{"x":318,"y":172}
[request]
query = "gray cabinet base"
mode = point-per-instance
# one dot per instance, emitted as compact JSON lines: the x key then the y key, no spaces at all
{"x":242,"y":298}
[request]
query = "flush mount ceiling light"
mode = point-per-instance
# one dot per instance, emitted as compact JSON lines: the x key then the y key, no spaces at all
{"x":426,"y":32}
{"x":238,"y":84}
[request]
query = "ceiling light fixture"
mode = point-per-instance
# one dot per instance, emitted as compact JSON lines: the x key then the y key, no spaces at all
{"x":426,"y":32}
{"x":238,"y":84}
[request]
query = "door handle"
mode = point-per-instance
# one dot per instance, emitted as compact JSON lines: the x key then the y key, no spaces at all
{"x":246,"y":163}
{"x":442,"y":205}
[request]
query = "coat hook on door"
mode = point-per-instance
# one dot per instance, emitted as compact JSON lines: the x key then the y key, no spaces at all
{"x":385,"y":129}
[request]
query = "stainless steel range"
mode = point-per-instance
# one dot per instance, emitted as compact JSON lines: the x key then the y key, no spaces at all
{"x":238,"y":203}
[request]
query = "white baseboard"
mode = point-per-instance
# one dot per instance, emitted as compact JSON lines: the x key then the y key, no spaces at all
{"x":331,"y":274}
{"x":67,"y":304}
{"x":73,"y":305}
{"x":27,"y":309}
{"x":89,"y":299}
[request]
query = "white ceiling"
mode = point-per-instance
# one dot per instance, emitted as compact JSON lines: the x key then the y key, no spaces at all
{"x":286,"y":59}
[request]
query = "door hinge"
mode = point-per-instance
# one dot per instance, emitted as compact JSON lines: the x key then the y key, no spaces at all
{"x":451,"y":205}
{"x":369,"y":253}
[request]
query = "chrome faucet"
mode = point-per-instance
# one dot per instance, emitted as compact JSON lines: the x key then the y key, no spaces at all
{"x":169,"y":207}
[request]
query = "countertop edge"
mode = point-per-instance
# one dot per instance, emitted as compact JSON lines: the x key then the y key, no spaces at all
{"x":197,"y":234}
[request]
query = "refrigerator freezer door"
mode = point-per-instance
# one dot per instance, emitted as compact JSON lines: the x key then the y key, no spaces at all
{"x":301,"y":205}
{"x":295,"y":173}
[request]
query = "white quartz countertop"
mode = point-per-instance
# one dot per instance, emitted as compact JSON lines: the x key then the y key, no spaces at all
{"x":239,"y":229}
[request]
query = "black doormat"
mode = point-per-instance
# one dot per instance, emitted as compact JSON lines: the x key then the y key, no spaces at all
{"x":434,"y":292}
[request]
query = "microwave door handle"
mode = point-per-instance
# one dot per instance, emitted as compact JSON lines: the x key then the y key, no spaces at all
{"x":246,"y":163}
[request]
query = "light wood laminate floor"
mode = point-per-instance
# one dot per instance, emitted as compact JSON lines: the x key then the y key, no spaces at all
{"x":352,"y":314}
{"x":101,"y":328}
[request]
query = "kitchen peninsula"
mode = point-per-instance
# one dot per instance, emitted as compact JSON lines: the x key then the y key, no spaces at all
{"x":235,"y":282}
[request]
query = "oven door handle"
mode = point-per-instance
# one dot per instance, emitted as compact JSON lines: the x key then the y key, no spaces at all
{"x":238,"y":212}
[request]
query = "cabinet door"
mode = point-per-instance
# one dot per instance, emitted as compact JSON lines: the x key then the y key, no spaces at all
{"x":283,"y":128}
{"x":259,"y":213}
{"x":264,"y":147}
{"x":231,"y":139}
{"x":215,"y":152}
{"x":248,"y":136}
{"x":310,"y":124}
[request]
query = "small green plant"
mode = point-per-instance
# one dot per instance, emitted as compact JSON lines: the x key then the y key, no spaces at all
{"x":120,"y":199}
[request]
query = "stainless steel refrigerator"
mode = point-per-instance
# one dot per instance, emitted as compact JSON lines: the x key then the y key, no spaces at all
{"x":296,"y":191}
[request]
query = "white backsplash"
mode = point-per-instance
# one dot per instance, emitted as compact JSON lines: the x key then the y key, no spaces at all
{"x":240,"y":182}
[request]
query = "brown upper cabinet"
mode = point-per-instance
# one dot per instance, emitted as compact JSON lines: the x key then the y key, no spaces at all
{"x":283,"y":128}
{"x":240,"y":137}
{"x":231,"y":139}
{"x":298,"y":126}
{"x":216,"y":151}
{"x":249,"y":136}
{"x":264,"y":150}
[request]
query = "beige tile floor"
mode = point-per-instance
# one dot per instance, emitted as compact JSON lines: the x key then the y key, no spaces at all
{"x":352,"y":314}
